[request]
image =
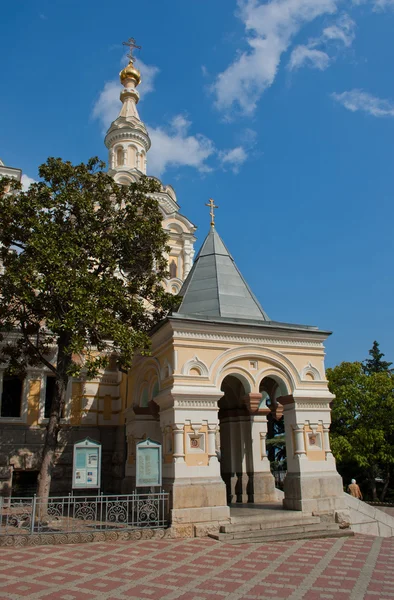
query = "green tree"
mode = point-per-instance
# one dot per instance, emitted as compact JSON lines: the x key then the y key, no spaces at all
{"x":83,"y":265}
{"x":375,"y":364}
{"x":362,"y":430}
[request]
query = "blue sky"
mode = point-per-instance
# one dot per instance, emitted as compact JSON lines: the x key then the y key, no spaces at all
{"x":282,"y":111}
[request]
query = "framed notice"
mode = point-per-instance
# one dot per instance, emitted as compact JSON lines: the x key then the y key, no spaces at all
{"x":86,"y":464}
{"x":148,"y":464}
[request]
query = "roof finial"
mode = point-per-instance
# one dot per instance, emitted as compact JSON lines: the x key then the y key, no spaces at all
{"x":212,"y":206}
{"x":131,"y":44}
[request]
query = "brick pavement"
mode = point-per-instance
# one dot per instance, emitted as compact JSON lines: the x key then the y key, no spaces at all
{"x":202,"y":569}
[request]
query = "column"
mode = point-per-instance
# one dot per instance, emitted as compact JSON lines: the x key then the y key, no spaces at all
{"x":312,"y":483}
{"x":179,"y":449}
{"x":212,"y":456}
{"x":326,"y":441}
{"x":299,"y":441}
{"x":263,"y":488}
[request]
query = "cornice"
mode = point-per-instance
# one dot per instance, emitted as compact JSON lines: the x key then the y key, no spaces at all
{"x":243,"y":339}
{"x":127,"y":134}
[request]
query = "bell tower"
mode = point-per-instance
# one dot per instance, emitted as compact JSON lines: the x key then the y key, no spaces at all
{"x":127,"y":139}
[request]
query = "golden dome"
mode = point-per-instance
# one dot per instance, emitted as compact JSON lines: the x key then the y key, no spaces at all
{"x":130,"y":72}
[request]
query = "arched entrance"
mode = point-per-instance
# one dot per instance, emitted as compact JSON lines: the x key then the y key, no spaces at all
{"x":244,"y":464}
{"x":235,"y":439}
{"x":271,"y":389}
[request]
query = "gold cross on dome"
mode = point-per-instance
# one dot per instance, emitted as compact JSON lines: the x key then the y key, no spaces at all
{"x":212,"y":206}
{"x":131,"y":44}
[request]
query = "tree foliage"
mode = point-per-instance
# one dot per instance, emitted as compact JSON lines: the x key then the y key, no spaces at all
{"x":83,"y":268}
{"x":362,"y":430}
{"x":375,"y":364}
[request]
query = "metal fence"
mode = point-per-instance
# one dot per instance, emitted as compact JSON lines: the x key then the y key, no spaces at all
{"x":77,"y":514}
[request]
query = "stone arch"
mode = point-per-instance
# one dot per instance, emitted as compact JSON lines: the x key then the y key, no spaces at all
{"x":239,"y":373}
{"x":197,"y":364}
{"x":280,"y":378}
{"x":277,"y":361}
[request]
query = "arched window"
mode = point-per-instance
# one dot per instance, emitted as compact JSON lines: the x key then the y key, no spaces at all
{"x":119,"y":157}
{"x":173,"y":269}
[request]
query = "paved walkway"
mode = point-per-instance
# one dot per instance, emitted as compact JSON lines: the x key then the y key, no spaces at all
{"x":202,"y":569}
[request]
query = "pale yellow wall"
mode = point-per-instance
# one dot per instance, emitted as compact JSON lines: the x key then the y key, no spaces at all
{"x":33,"y":402}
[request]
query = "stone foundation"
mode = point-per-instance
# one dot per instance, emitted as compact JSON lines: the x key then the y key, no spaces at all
{"x":261,"y":488}
{"x":313,"y":492}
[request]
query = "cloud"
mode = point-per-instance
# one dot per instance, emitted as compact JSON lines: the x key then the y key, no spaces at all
{"x":233,"y":158}
{"x":107,"y":105}
{"x":172,"y":146}
{"x":381,"y":5}
{"x":358,"y":100}
{"x":270,"y":28}
{"x":343,"y":31}
{"x":303,"y":55}
{"x":340,"y":33}
{"x":26,"y":182}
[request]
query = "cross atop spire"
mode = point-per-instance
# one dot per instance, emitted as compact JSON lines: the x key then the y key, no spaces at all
{"x":212,"y":206}
{"x":131,"y":43}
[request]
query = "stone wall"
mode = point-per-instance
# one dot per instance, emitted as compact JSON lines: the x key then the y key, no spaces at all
{"x":369,"y":520}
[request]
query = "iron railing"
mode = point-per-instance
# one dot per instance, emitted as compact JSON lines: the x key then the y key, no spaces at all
{"x":78,"y":514}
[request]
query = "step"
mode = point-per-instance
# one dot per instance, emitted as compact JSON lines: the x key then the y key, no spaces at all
{"x":279,"y":530}
{"x":268,"y":523}
{"x":284,"y":537}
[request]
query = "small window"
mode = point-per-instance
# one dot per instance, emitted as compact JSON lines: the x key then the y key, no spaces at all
{"x":11,"y":397}
{"x":49,"y":392}
{"x":119,"y":157}
{"x":173,"y":269}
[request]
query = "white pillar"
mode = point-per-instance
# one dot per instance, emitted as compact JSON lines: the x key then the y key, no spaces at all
{"x":179,"y":448}
{"x":299,"y":440}
{"x":326,"y":440}
{"x":212,"y":456}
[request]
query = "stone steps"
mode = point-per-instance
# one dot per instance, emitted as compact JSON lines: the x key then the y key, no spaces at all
{"x":271,"y":531}
{"x":259,"y":524}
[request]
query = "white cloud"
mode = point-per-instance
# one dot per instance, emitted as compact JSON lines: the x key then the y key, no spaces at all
{"x":26,"y":182}
{"x":303,"y":55}
{"x":172,"y":146}
{"x":233,"y":158}
{"x":342,"y":32}
{"x":380,"y":5}
{"x":271,"y":27}
{"x":107,"y":106}
{"x":356,"y":100}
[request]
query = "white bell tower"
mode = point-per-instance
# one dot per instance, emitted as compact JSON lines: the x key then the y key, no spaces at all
{"x":127,"y":138}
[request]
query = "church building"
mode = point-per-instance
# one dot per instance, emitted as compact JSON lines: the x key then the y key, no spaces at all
{"x":220,"y":369}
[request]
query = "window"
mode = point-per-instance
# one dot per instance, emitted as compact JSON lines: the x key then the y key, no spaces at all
{"x":11,"y":397}
{"x":119,"y":157}
{"x":49,"y":391}
{"x":173,"y":269}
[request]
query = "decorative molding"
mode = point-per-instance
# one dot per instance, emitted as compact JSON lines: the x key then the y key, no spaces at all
{"x":247,"y":340}
{"x":203,"y":403}
{"x":312,"y":405}
{"x":195,"y":363}
{"x":311,"y":370}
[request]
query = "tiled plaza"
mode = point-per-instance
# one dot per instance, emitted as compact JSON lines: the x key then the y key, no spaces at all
{"x":202,"y":569}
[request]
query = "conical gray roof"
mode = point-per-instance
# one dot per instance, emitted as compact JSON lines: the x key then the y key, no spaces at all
{"x":216,"y":288}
